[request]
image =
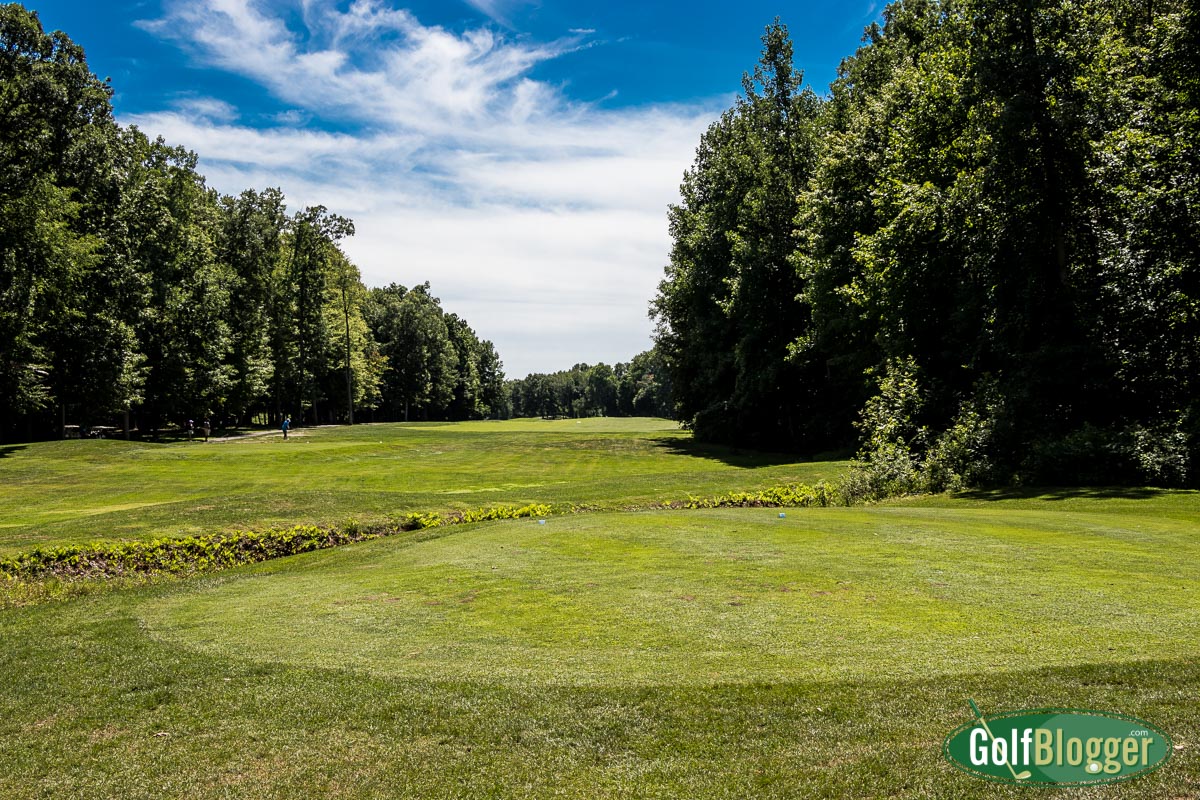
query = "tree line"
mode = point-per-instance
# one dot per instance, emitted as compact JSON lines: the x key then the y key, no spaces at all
{"x":638,"y":388}
{"x":129,"y":289}
{"x":976,"y":257}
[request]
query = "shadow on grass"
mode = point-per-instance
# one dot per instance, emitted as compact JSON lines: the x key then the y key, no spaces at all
{"x":7,"y":450}
{"x":242,"y":433}
{"x":731,"y":456}
{"x":1064,"y":493}
{"x":174,"y":436}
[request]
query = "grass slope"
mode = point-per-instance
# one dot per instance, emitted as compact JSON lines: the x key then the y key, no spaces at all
{"x":724,"y":596}
{"x":79,"y":491}
{"x":724,"y":653}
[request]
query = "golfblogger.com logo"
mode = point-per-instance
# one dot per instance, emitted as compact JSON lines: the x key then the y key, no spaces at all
{"x":1064,"y":747}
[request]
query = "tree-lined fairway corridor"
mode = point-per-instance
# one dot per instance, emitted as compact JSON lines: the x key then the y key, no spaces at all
{"x":674,"y":654}
{"x":79,"y":491}
{"x":973,"y":261}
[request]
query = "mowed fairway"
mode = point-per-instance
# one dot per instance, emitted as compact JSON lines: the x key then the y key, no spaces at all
{"x":609,"y":654}
{"x":683,"y":654}
{"x":79,"y":491}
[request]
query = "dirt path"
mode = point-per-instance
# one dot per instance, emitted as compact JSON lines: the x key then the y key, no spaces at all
{"x":292,"y":434}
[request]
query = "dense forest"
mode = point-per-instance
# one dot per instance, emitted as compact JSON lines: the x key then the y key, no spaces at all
{"x":131,"y":293}
{"x":639,"y":388}
{"x":976,"y":257}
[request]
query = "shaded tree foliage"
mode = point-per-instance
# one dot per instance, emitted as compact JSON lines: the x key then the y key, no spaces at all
{"x":997,"y":215}
{"x":56,"y":128}
{"x":727,"y":311}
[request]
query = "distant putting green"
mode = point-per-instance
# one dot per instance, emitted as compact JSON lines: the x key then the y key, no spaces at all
{"x":79,"y":491}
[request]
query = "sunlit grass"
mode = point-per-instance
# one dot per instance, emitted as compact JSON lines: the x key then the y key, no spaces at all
{"x":731,"y":596}
{"x":728,"y":653}
{"x":703,"y":654}
{"x":78,"y":491}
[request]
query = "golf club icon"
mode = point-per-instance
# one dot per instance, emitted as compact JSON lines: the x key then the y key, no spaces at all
{"x":1020,"y":776}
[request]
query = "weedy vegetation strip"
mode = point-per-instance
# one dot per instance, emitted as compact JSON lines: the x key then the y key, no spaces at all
{"x":222,"y":550}
{"x":792,"y":496}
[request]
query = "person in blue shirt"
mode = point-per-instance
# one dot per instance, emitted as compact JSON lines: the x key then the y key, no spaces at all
{"x":287,"y":423}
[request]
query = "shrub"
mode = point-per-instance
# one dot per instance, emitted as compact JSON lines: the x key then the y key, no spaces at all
{"x":1092,"y":456}
{"x":889,"y":462}
{"x":961,"y":455}
{"x":1161,"y":455}
{"x":792,"y":495}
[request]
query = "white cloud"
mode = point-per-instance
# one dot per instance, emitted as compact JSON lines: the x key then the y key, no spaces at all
{"x":207,"y":108}
{"x":293,"y":116}
{"x":540,"y":220}
{"x":492,"y":8}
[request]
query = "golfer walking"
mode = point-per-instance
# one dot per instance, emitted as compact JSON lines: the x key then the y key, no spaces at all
{"x":287,"y":423}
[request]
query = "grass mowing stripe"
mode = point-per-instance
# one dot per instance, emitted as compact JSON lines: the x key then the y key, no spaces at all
{"x":79,"y":491}
{"x":139,"y":718}
{"x":726,"y":595}
{"x":220,"y":551}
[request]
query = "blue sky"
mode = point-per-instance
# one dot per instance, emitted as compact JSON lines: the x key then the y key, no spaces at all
{"x":518,"y":155}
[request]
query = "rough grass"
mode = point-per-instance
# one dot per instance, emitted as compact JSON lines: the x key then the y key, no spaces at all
{"x":76,"y":491}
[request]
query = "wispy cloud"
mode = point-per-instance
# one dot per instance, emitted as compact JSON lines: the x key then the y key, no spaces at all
{"x":539,"y":218}
{"x":494,"y":9}
{"x":206,"y":108}
{"x":293,"y":116}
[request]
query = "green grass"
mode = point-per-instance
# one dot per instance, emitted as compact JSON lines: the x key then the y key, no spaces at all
{"x":727,"y":596}
{"x":725,"y":653}
{"x":79,"y":491}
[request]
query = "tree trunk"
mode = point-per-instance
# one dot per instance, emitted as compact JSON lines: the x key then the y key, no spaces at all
{"x":349,"y":375}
